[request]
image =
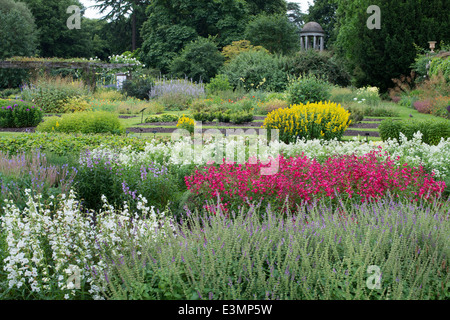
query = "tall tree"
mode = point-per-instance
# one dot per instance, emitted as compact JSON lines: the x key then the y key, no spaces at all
{"x":257,"y":7}
{"x":295,"y":14}
{"x":172,"y":24}
{"x":18,"y":31}
{"x":55,"y":38}
{"x":273,"y":32}
{"x":18,"y":37}
{"x":376,"y":56}
{"x":324,"y":13}
{"x":118,"y":9}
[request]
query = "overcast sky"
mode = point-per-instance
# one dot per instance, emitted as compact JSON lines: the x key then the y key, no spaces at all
{"x":92,"y":13}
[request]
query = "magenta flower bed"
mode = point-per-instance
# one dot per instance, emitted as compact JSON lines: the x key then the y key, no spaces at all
{"x":300,"y":180}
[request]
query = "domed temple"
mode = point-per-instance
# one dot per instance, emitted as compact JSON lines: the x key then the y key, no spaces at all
{"x":312,"y":36}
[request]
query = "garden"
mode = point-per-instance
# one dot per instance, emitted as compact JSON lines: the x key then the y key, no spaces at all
{"x":240,"y":173}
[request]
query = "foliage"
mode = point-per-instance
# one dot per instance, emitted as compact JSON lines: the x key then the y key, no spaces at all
{"x":440,"y":66}
{"x":309,"y":88}
{"x":19,"y":114}
{"x":65,"y":144}
{"x":115,"y":10}
{"x":83,"y":122}
{"x":108,"y":94}
{"x":309,"y":121}
{"x":51,"y":94}
{"x":167,"y":31}
{"x":356,"y":114}
{"x":369,"y":95}
{"x":135,"y":106}
{"x":313,"y":253}
{"x":167,"y":117}
{"x":271,"y":105}
{"x":376,"y":56}
{"x":199,"y":60}
{"x":322,"y":64}
{"x":236,"y":47}
{"x":71,"y":42}
{"x":217,"y":84}
{"x":273,"y":32}
{"x":102,"y":173}
{"x":371,"y":111}
{"x":433,"y":130}
{"x":257,"y":70}
{"x":18,"y":36}
{"x":138,"y":88}
{"x":77,"y":104}
{"x":295,"y":14}
{"x":324,"y":13}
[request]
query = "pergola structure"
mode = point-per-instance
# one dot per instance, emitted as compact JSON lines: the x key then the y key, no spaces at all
{"x":312,"y":37}
{"x":86,"y":66}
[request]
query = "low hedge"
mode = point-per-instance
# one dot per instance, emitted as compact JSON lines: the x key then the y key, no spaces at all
{"x":64,"y":144}
{"x":167,"y":117}
{"x":236,"y":117}
{"x":432,"y":130}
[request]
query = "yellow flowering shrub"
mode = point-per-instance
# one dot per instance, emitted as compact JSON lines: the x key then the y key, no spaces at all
{"x":186,"y":123}
{"x":320,"y":120}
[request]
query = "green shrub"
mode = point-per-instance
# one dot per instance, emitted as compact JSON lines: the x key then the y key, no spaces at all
{"x":83,"y":122}
{"x":269,"y":106}
{"x":440,"y":65}
{"x":199,"y":60}
{"x":432,"y":130}
{"x":241,"y":117}
{"x":64,"y":144}
{"x":372,"y":111}
{"x":274,"y":32}
{"x":167,"y":117}
{"x":407,"y":101}
{"x":342,"y":95}
{"x":109,"y":94}
{"x":19,"y":114}
{"x":319,"y":63}
{"x":8,"y":93}
{"x":52,"y":94}
{"x":138,"y":88}
{"x":356,"y":114}
{"x":308,"y":89}
{"x":218,"y":84}
{"x":257,"y":70}
{"x":236,"y":117}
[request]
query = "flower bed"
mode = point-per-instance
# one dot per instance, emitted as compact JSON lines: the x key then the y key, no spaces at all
{"x":301,"y":179}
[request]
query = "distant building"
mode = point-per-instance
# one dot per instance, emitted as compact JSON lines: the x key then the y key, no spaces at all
{"x":312,"y":36}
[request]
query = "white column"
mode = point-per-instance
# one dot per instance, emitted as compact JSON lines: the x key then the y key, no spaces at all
{"x":301,"y":43}
{"x":322,"y":40}
{"x":314,"y":43}
{"x":306,"y":42}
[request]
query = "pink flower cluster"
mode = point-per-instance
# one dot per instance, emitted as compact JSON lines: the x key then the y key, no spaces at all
{"x":301,"y":179}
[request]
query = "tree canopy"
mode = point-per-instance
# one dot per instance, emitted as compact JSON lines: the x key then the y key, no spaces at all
{"x":376,"y":56}
{"x":18,"y":37}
